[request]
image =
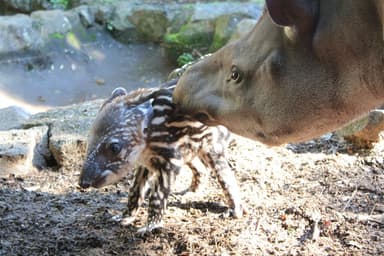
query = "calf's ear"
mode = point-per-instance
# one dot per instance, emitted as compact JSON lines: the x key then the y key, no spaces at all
{"x":300,"y":14}
{"x":119,"y":91}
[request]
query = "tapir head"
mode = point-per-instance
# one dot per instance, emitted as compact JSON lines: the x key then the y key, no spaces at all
{"x":293,"y":76}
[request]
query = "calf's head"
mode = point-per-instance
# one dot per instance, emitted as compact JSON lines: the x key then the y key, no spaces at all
{"x":115,"y":142}
{"x":296,"y":75}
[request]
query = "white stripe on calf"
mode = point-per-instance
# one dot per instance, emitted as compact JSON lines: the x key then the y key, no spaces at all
{"x":162,"y":107}
{"x":158,"y":120}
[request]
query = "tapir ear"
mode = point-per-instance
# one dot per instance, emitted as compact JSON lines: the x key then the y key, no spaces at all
{"x":119,"y":91}
{"x":298,"y":13}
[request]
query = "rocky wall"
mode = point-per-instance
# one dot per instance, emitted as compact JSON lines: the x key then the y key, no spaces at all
{"x":31,"y":27}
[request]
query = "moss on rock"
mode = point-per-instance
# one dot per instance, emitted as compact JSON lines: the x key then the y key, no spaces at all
{"x":192,"y":36}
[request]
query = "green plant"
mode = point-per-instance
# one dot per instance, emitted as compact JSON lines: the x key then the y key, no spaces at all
{"x":109,"y":26}
{"x":59,"y":4}
{"x":108,"y":1}
{"x":57,"y":35}
{"x":184,"y":58}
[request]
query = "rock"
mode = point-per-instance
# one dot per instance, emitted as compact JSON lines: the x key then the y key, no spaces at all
{"x":21,"y":151}
{"x":55,"y":23}
{"x":22,"y":6}
{"x":364,"y":132}
{"x":62,"y":29}
{"x":103,"y":13}
{"x":183,"y":26}
{"x":178,"y":15}
{"x":208,"y":28}
{"x":69,"y":128}
{"x":150,"y":22}
{"x":57,"y":137}
{"x":86,"y":15}
{"x":12,"y":117}
{"x":192,"y":36}
{"x":17,"y":34}
{"x":242,"y":28}
{"x":131,"y":22}
{"x":76,"y":3}
{"x":212,"y":11}
{"x":120,"y":26}
{"x":225,"y":25}
{"x":68,"y":139}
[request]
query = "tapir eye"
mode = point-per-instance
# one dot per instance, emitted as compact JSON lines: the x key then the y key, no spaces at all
{"x":236,"y":74}
{"x":115,"y":147}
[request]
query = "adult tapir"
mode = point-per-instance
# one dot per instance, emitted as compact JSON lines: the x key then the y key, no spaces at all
{"x":306,"y":68}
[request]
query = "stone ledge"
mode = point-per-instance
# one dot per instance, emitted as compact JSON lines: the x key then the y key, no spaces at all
{"x":22,"y":151}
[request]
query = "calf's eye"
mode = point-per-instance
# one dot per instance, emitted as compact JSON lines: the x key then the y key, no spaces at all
{"x":115,"y":148}
{"x":236,"y":74}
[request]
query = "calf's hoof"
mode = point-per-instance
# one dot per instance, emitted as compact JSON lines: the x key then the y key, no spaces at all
{"x":127,"y":220}
{"x":238,"y":212}
{"x":149,"y":228}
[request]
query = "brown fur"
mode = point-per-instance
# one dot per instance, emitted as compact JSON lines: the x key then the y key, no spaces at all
{"x":319,"y":69}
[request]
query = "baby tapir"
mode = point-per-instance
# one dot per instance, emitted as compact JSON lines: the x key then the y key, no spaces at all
{"x":140,"y":134}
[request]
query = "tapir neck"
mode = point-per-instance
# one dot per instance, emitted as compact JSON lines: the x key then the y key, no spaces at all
{"x":380,"y":9}
{"x":356,"y":56}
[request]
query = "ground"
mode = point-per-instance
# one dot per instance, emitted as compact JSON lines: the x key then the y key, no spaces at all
{"x":316,"y":198}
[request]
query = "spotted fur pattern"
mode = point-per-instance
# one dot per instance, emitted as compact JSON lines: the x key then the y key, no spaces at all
{"x":140,"y":134}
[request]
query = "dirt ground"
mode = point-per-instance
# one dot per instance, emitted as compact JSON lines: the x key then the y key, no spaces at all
{"x":315,"y":198}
